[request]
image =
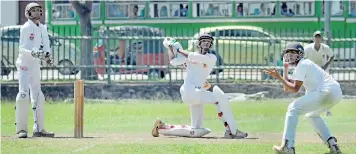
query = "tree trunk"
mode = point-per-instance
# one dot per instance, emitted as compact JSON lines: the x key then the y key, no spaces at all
{"x":87,"y":48}
{"x":84,"y":11}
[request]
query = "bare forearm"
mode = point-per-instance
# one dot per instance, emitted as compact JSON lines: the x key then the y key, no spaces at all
{"x":285,"y":77}
{"x":287,"y":89}
{"x":288,"y":86}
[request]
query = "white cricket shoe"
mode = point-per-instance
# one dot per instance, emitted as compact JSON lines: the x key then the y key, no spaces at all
{"x":158,"y":125}
{"x":21,"y":134}
{"x":239,"y":134}
{"x":284,"y":149}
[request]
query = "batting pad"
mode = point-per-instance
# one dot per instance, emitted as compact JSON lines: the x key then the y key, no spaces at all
{"x":22,"y":107}
{"x":38,"y":111}
{"x":224,"y":109}
{"x":185,"y":132}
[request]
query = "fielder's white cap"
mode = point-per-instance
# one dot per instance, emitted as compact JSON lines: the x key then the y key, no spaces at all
{"x":317,"y":33}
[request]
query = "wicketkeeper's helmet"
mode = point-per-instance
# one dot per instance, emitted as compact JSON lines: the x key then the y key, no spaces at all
{"x":31,"y":6}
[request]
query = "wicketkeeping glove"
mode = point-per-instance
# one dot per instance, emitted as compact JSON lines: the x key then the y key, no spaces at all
{"x":48,"y":59}
{"x":44,"y":56}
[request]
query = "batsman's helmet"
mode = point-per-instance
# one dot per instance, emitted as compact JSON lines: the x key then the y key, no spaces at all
{"x":28,"y":9}
{"x":205,"y":37}
{"x":293,"y":52}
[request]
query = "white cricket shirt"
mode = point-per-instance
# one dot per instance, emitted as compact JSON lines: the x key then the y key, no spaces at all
{"x":319,"y":57}
{"x":313,"y":76}
{"x":198,"y":67}
{"x":32,"y":36}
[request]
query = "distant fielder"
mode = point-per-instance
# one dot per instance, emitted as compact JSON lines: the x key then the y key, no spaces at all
{"x":198,"y":65}
{"x":33,"y":37}
{"x":320,"y":54}
{"x":322,"y":93}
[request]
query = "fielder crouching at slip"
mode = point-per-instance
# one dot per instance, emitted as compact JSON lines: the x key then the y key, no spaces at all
{"x":33,"y":47}
{"x":322,"y":93}
{"x":194,"y":94}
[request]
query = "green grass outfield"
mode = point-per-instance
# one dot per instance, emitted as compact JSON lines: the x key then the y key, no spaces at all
{"x":125,"y":126}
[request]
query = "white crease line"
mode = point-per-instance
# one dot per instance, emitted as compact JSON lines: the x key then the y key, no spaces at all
{"x":84,"y":148}
{"x":91,"y":146}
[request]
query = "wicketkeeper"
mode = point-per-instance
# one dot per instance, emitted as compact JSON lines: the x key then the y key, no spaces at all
{"x":198,"y":66}
{"x":34,"y":46}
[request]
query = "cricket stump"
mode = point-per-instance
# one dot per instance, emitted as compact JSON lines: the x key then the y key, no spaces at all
{"x":78,"y":108}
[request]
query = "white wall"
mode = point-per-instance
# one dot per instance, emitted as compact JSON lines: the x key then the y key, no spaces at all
{"x":9,"y":14}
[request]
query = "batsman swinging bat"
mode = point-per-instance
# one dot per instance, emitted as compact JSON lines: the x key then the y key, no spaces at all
{"x":78,"y":108}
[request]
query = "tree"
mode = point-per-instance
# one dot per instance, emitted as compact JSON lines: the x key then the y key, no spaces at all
{"x":83,"y":9}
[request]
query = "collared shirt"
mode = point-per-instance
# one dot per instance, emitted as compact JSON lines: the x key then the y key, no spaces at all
{"x":31,"y":37}
{"x":319,"y":57}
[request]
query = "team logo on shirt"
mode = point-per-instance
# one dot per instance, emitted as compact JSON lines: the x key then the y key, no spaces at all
{"x":204,"y":65}
{"x":23,"y":68}
{"x":32,"y":36}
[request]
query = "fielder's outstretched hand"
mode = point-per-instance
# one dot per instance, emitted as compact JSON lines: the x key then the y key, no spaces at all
{"x":272,"y":72}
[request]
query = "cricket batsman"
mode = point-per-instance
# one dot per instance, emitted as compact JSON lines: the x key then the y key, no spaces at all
{"x":198,"y":66}
{"x":33,"y":47}
{"x":322,"y":93}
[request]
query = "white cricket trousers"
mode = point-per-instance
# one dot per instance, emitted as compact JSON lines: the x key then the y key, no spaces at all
{"x":312,"y":104}
{"x":196,"y":98}
{"x":29,"y":80}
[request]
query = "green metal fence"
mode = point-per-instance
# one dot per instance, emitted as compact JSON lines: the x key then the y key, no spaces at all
{"x":137,"y":54}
